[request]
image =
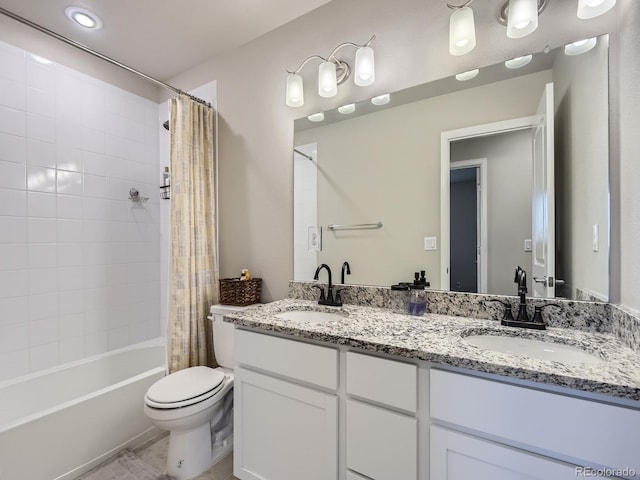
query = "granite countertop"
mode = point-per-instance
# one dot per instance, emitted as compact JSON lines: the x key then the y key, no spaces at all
{"x":439,"y":339}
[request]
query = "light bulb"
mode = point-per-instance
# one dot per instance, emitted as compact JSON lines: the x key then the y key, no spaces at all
{"x":295,"y":90}
{"x":523,"y":18}
{"x":365,"y":67}
{"x":327,"y":85}
{"x":462,"y":31}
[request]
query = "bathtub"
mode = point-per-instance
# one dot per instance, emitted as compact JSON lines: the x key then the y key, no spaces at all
{"x":59,"y":423}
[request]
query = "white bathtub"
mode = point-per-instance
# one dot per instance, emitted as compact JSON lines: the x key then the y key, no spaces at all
{"x":61,"y":422}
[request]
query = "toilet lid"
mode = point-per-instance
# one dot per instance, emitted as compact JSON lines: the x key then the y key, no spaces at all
{"x":185,"y":385}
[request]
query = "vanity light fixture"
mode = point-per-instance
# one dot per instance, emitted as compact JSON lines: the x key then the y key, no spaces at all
{"x":580,"y":47}
{"x":347,"y":109}
{"x":518,"y":62}
{"x":381,"y":99}
{"x":83,"y":17}
{"x":333,"y":72}
{"x":522,"y":18}
{"x":462,"y":29}
{"x":594,"y":8}
{"x":316,"y":117}
{"x":468,"y":75}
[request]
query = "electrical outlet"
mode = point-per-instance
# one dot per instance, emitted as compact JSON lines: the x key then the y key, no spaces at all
{"x":528,"y":245}
{"x":596,"y":239}
{"x":430,"y":243}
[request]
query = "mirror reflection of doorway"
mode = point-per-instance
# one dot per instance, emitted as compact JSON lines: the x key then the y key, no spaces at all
{"x":464,"y":237}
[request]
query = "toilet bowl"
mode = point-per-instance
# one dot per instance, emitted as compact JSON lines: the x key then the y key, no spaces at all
{"x":196,"y":406}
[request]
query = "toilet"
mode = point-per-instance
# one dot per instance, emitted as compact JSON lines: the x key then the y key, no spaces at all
{"x":196,"y":406}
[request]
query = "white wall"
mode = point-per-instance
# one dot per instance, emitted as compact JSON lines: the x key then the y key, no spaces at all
{"x":305,"y":212}
{"x":256,"y":131}
{"x":79,"y":262}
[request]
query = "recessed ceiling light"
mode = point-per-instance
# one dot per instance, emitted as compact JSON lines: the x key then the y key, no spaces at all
{"x":381,"y":99}
{"x":83,"y":17}
{"x":347,"y":109}
{"x":518,"y":61}
{"x":581,"y":46}
{"x":468,"y":75}
{"x":316,"y":117}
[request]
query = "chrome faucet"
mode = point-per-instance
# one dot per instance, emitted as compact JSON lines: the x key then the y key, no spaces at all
{"x":329,"y":300}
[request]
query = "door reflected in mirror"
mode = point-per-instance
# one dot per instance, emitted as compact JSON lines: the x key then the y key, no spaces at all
{"x":388,"y":165}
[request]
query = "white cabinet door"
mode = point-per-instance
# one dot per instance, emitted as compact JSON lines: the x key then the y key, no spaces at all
{"x":283,"y":431}
{"x":455,"y":456}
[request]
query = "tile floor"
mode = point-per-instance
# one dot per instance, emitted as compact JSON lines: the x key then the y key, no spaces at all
{"x":154,"y":453}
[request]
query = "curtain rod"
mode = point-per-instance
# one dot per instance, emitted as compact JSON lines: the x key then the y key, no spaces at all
{"x":90,"y":51}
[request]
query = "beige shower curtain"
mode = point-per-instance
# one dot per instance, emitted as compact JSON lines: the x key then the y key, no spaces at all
{"x":193,"y":273}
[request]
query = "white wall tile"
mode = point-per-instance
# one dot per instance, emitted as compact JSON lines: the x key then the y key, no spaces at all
{"x":44,"y":331}
{"x":69,"y":231}
{"x":14,"y":337}
{"x":70,"y":254}
{"x":94,"y":186}
{"x":40,"y":76}
{"x":68,"y":84}
{"x":69,"y":206}
{"x":71,"y":278}
{"x":41,"y":179}
{"x":13,"y":256}
{"x":93,"y":163}
{"x":13,"y":202}
{"x":96,"y":254}
{"x":43,"y":306}
{"x":68,"y":157}
{"x":14,"y":364}
{"x":14,"y":283}
{"x":41,"y":128}
{"x":69,"y":183}
{"x":138,"y":332}
{"x":13,"y":148}
{"x":113,"y":126}
{"x":42,"y":230}
{"x":41,"y":204}
{"x":70,"y":302}
{"x":13,"y":175}
{"x":12,"y":94}
{"x":43,"y":281}
{"x":96,"y":321}
{"x":41,"y":102}
{"x":13,"y":65}
{"x":12,"y":121}
{"x":68,"y":112}
{"x":43,"y":255}
{"x":94,"y":208}
{"x":41,"y":153}
{"x":14,"y":310}
{"x":44,"y":356}
{"x":92,"y":140}
{"x":95,"y":343}
{"x":93,"y":116}
{"x":71,"y":349}
{"x":118,"y":338}
{"x":96,"y":276}
{"x":115,"y":167}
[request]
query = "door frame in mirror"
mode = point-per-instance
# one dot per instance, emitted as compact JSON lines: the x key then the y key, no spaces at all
{"x":446,"y":138}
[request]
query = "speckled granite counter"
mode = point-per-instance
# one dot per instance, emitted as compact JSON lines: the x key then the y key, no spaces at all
{"x":440,"y":339}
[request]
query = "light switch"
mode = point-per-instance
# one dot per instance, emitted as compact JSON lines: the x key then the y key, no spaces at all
{"x":430,"y":243}
{"x":527,"y":245}
{"x":596,"y":237}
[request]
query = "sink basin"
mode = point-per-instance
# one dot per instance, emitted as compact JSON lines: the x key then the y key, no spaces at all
{"x":310,"y":316}
{"x":528,"y":347}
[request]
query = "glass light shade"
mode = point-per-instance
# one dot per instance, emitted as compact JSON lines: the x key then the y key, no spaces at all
{"x":518,"y":62}
{"x":462,"y":31}
{"x":347,"y":109}
{"x":316,"y":117}
{"x":295,"y":90}
{"x":523,"y":18}
{"x":594,"y":8}
{"x":581,"y":46}
{"x":381,"y":99}
{"x":327,"y":85}
{"x":468,"y":75}
{"x":365,"y":67}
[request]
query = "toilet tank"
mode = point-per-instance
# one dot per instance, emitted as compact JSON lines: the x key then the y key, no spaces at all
{"x":223,"y":333}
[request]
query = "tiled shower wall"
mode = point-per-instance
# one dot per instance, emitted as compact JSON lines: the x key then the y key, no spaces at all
{"x":79,"y":262}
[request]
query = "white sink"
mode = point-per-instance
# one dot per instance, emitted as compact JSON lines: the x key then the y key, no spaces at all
{"x":310,"y":316}
{"x":527,"y":347}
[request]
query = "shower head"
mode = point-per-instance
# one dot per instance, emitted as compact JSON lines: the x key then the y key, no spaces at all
{"x":166,"y":124}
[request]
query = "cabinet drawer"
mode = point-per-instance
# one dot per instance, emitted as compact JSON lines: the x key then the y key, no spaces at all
{"x":380,"y":380}
{"x":297,"y":360}
{"x":381,"y":444}
{"x":579,"y":430}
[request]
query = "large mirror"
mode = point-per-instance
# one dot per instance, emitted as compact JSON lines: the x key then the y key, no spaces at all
{"x":465,"y":180}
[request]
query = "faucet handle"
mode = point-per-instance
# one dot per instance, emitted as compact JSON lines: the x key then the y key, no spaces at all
{"x":322,"y":298}
{"x":507,"y":308}
{"x":537,"y":311}
{"x":338,"y":298}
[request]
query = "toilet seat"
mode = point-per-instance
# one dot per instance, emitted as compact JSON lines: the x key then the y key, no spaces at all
{"x":184,"y":388}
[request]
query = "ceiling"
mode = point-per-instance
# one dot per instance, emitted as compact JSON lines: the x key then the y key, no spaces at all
{"x":163,"y":38}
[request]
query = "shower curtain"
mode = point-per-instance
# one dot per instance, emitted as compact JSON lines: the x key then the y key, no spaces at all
{"x":193,"y":273}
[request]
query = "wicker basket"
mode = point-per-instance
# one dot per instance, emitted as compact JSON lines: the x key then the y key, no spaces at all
{"x":234,"y":291}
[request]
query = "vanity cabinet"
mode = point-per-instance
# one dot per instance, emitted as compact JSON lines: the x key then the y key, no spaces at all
{"x":285,"y":409}
{"x":501,"y":425}
{"x":381,"y":428}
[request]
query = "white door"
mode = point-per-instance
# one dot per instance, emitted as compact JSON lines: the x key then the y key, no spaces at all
{"x":455,"y":456}
{"x":283,"y":431}
{"x":543,"y":201}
